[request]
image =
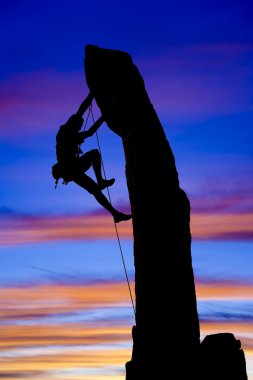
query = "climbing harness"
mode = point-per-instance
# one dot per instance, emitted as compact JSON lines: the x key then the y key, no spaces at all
{"x":115,"y":225}
{"x":57,"y":169}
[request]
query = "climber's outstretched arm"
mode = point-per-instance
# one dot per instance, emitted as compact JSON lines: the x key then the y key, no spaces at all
{"x":95,"y":127}
{"x":85,"y":104}
{"x":83,"y":135}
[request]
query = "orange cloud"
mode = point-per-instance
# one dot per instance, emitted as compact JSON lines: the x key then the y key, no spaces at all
{"x":219,"y":226}
{"x":71,"y":359}
{"x":224,"y":291}
{"x":60,"y":353}
{"x":48,"y":300}
{"x":42,"y":301}
{"x":62,"y":334}
{"x":44,"y":229}
{"x":20,"y":230}
{"x":39,"y":349}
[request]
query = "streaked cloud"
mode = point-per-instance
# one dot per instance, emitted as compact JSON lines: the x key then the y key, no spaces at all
{"x":33,"y":303}
{"x":21,"y":374}
{"x":45,"y":350}
{"x":222,"y":226}
{"x":218,"y":197}
{"x":34,"y":229}
{"x":63,"y":360}
{"x":42,"y":301}
{"x":61,"y":335}
{"x":223,"y":291}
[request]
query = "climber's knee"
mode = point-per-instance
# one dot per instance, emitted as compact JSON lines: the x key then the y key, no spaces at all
{"x":94,"y":155}
{"x":87,"y":183}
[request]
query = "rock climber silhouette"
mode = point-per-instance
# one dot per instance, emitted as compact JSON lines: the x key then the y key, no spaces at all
{"x":72,"y":164}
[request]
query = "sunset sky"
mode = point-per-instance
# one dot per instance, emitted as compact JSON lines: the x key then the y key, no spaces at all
{"x":65,"y":308}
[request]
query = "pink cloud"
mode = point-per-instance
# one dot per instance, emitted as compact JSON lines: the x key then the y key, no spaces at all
{"x":32,"y":103}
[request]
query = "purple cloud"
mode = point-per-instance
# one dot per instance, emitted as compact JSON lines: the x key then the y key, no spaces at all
{"x":191,"y":83}
{"x":219,"y":197}
{"x":32,"y":103}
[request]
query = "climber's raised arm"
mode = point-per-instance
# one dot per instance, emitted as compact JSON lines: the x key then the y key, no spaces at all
{"x":84,"y":105}
{"x":83,"y":135}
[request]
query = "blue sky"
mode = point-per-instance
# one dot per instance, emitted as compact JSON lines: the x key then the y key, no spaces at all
{"x":58,"y":247}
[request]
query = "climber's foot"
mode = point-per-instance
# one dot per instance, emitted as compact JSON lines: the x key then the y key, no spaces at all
{"x":105,"y":183}
{"x":120,"y":217}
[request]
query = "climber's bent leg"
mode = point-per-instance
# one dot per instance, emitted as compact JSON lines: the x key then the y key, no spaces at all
{"x":117,"y":215}
{"x":93,"y":158}
{"x":88,"y":184}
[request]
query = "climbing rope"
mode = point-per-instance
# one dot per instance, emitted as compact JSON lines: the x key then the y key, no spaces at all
{"x":115,"y":225}
{"x":87,"y":118}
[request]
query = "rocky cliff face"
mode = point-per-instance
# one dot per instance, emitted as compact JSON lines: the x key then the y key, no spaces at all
{"x":167,"y":325}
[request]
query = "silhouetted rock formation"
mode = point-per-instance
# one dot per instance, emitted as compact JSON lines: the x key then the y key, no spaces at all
{"x":221,"y":358}
{"x":167,"y":325}
{"x":166,"y":313}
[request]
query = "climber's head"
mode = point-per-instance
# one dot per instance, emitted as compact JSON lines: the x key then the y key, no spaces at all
{"x":75,"y":122}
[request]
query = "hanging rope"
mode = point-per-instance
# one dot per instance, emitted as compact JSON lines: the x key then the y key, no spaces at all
{"x":115,"y":225}
{"x":87,"y":118}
